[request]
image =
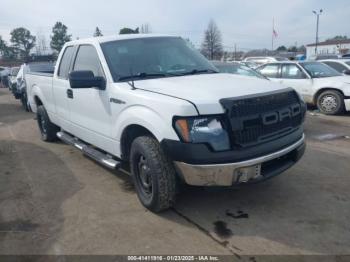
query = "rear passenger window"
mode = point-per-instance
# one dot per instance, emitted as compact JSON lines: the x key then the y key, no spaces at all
{"x":87,"y":59}
{"x":65,"y":62}
{"x":269,"y":71}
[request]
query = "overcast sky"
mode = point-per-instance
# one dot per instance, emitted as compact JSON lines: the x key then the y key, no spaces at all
{"x":248,"y":23}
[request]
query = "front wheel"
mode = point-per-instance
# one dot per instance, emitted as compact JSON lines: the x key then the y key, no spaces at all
{"x":331,"y":102}
{"x":47,"y":129}
{"x":153,"y":174}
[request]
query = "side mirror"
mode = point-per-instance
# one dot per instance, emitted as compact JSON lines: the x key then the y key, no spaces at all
{"x":346,"y":72}
{"x":86,"y":79}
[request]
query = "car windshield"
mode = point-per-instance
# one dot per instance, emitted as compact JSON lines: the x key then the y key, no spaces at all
{"x":238,"y":69}
{"x":319,"y":70}
{"x":153,"y":57}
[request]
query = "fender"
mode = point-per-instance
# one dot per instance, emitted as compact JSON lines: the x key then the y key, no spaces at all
{"x":35,"y":91}
{"x":144,"y":116}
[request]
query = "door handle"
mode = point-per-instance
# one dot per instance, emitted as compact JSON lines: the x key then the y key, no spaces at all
{"x":70,"y":93}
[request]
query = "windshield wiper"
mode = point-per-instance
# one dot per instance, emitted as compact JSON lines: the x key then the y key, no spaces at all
{"x":141,"y":76}
{"x":199,"y":71}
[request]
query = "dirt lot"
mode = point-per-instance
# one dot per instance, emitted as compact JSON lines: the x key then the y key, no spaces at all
{"x":53,"y":200}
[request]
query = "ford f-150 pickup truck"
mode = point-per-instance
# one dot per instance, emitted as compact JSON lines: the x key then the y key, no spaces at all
{"x":155,"y":107}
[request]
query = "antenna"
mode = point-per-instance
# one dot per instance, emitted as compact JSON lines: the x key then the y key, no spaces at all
{"x":132,"y":84}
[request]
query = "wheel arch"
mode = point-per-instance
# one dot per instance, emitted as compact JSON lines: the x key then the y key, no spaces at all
{"x":321,"y":90}
{"x":129,"y":134}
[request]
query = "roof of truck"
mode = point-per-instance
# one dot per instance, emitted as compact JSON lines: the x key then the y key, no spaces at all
{"x":102,"y":39}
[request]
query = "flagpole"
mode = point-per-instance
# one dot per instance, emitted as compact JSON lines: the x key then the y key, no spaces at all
{"x":273,"y":28}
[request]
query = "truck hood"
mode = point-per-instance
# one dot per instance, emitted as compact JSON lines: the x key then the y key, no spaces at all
{"x":205,"y":90}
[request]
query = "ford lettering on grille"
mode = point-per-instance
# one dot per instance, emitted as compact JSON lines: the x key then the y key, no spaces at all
{"x":260,"y":118}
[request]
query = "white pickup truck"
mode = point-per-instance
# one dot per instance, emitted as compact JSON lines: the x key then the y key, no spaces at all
{"x":154,"y":106}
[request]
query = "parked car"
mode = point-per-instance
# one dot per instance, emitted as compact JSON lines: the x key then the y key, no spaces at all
{"x":260,"y":60}
{"x":20,"y":90}
{"x":155,"y":106}
{"x":250,"y":64}
{"x":341,"y":65}
{"x":4,"y":74}
{"x":346,"y":56}
{"x":318,"y":83}
{"x":236,"y":69}
{"x":13,"y":77}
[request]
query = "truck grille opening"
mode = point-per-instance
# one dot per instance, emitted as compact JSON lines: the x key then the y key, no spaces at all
{"x":260,"y":118}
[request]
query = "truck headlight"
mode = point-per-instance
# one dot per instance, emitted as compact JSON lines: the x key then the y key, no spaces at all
{"x":207,"y":130}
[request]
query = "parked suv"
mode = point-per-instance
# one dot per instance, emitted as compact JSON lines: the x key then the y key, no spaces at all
{"x":318,"y":83}
{"x":156,"y":107}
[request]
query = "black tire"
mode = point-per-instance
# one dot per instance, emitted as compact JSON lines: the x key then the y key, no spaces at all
{"x":24,"y":101}
{"x":153,"y":174}
{"x":47,"y":129}
{"x":331,"y":102}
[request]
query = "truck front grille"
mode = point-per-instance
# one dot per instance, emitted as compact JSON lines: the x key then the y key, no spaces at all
{"x":260,"y":118}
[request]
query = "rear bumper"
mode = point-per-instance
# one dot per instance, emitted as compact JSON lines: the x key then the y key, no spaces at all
{"x":228,"y":174}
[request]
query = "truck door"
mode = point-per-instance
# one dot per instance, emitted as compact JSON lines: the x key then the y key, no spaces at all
{"x":60,"y":85}
{"x":90,"y":110}
{"x":293,"y":76}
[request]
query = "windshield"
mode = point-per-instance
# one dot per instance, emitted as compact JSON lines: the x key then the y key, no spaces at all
{"x":238,"y":69}
{"x":319,"y":70}
{"x":153,"y":57}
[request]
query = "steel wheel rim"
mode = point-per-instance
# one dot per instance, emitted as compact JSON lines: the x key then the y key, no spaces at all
{"x":329,"y":103}
{"x":144,"y":176}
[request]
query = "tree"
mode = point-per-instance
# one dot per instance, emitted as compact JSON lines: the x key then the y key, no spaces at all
{"x":22,"y":40}
{"x":145,"y":28}
{"x":97,"y":32}
{"x":212,"y":43}
{"x":127,"y":30}
{"x":59,"y":36}
{"x":292,"y":49}
{"x":281,"y":48}
{"x":338,"y":37}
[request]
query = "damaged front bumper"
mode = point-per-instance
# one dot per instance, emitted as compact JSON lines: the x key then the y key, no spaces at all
{"x":248,"y":171}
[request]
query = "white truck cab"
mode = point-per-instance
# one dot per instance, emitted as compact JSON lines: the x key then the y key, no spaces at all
{"x":154,"y":106}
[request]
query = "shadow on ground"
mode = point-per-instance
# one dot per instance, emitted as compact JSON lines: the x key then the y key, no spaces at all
{"x":32,"y":191}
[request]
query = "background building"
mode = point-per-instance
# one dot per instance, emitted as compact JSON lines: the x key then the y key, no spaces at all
{"x":332,"y":47}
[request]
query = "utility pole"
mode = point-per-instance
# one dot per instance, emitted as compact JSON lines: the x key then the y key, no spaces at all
{"x":317,"y":24}
{"x":235,"y":53}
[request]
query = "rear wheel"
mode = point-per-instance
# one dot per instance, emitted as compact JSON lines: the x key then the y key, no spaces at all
{"x":331,"y":102}
{"x":47,"y":129}
{"x":153,"y":174}
{"x":24,"y":101}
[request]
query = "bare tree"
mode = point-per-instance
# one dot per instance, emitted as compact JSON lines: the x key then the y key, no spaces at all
{"x":212,"y":43}
{"x":41,"y":44}
{"x":145,"y":28}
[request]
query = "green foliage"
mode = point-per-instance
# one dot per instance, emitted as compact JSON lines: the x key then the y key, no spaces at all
{"x":292,"y":49}
{"x":22,"y":41}
{"x":282,"y":48}
{"x":338,"y":37}
{"x":97,"y":32}
{"x":127,"y":30}
{"x":59,"y":36}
